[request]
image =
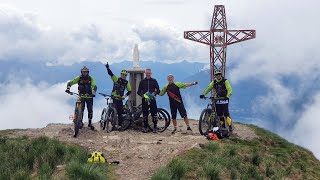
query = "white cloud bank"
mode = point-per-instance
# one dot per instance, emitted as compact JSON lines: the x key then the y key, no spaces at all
{"x":25,"y":105}
{"x":24,"y":38}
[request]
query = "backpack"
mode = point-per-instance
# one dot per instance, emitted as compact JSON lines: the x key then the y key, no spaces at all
{"x":96,"y":157}
{"x":222,"y":133}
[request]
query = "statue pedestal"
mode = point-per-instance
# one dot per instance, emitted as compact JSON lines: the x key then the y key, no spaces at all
{"x":136,"y":75}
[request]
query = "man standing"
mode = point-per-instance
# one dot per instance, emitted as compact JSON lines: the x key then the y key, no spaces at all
{"x":87,"y":89}
{"x":224,"y":91}
{"x":148,"y":89}
{"x":175,"y":99}
{"x":119,"y":86}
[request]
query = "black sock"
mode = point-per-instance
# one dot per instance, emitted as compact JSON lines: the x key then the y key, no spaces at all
{"x":154,"y":122}
{"x":145,"y":122}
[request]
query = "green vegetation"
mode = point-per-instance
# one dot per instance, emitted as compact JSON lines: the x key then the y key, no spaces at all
{"x":23,"y":158}
{"x":266,"y":157}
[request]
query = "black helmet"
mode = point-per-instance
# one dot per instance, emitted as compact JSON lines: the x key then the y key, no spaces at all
{"x":84,"y":69}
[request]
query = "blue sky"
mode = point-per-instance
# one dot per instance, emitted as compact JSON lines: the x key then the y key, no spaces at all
{"x":286,"y":47}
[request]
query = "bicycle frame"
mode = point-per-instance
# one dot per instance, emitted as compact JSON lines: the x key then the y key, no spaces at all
{"x":77,"y":105}
{"x":212,"y":106}
{"x":133,"y":111}
{"x":78,"y":112}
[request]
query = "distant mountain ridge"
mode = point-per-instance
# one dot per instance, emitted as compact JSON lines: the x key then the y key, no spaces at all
{"x":184,"y":72}
{"x":59,"y":73}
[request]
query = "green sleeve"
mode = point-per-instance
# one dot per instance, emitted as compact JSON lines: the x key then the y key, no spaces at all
{"x":93,"y":85}
{"x":208,"y":89}
{"x":164,"y":90}
{"x":129,"y":87}
{"x":181,"y":85}
{"x":229,"y":89}
{"x":114,"y":78}
{"x":73,"y":81}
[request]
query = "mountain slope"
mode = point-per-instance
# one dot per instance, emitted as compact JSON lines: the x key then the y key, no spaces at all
{"x":250,"y":152}
{"x":265,"y":157}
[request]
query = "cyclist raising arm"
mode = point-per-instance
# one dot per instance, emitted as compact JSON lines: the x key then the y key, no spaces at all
{"x":87,"y":89}
{"x":224,"y":91}
{"x":175,"y":99}
{"x":119,"y":87}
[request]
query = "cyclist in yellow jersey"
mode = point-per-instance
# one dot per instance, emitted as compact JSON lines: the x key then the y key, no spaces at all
{"x":224,"y":91}
{"x":87,"y":89}
{"x":120,"y":84}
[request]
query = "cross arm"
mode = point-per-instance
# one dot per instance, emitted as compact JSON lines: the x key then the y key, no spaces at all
{"x":235,"y":36}
{"x":203,"y":37}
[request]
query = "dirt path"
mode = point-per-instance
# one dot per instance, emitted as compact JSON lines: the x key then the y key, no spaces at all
{"x":139,"y":154}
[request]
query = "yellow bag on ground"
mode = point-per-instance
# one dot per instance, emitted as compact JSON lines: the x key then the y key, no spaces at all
{"x":96,"y":157}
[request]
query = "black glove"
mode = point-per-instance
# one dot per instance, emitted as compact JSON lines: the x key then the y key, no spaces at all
{"x":67,"y":91}
{"x":93,"y":95}
{"x":107,"y":65}
{"x":201,"y":96}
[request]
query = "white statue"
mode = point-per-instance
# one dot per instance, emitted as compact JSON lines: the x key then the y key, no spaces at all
{"x":136,"y":57}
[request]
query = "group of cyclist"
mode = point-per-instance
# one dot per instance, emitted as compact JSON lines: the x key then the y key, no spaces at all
{"x":148,"y":89}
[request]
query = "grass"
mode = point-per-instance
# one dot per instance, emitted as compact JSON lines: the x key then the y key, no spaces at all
{"x":266,"y":157}
{"x":175,"y":170}
{"x":23,"y":158}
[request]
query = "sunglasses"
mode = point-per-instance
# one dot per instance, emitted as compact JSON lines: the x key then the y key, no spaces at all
{"x":217,"y":74}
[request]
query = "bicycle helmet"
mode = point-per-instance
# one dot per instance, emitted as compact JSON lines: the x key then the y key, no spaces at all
{"x":218,"y":71}
{"x":125,"y":72}
{"x":84,"y":69}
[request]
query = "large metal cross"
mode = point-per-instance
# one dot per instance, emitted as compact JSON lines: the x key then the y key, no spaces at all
{"x":218,"y":38}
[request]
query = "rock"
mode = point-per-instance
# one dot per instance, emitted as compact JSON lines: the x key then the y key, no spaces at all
{"x":196,"y":145}
{"x":68,"y":131}
{"x":172,"y":143}
{"x":115,"y":137}
{"x":60,"y":167}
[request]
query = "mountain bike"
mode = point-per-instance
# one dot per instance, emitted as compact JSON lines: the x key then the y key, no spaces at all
{"x":132,"y":114}
{"x":109,"y":118}
{"x":78,"y":113}
{"x":209,"y":118}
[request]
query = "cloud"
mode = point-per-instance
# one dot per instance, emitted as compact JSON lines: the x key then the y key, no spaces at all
{"x":161,"y":41}
{"x":280,"y":47}
{"x":25,"y":105}
{"x":305,"y":131}
{"x":23,"y":38}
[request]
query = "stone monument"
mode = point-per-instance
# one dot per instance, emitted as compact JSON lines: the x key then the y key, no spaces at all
{"x":136,"y":75}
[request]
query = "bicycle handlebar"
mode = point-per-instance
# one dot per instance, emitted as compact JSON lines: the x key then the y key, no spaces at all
{"x":105,"y":95}
{"x":73,"y":93}
{"x":214,"y":98}
{"x":79,"y":95}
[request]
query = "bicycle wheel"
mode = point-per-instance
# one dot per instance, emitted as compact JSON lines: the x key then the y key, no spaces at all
{"x":204,"y":122}
{"x":103,"y":120}
{"x":162,"y":121}
{"x":77,"y":120}
{"x":168,"y":116}
{"x":126,"y":121}
{"x":111,"y":119}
